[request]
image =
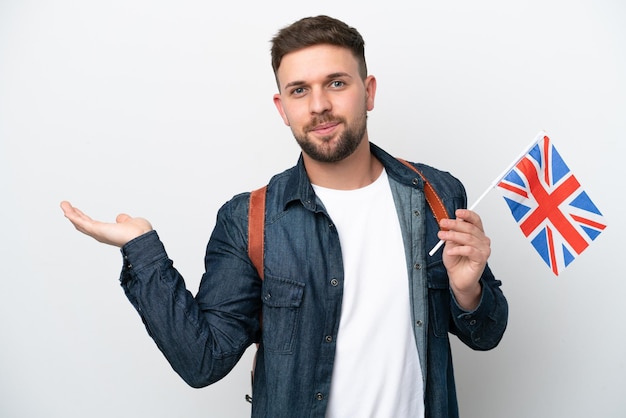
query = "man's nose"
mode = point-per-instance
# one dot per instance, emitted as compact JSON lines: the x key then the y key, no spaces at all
{"x":319,"y":101}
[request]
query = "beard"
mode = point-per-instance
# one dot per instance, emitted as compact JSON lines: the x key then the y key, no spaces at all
{"x":333,"y":148}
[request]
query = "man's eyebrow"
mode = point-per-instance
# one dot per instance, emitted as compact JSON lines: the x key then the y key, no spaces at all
{"x":339,"y":74}
{"x":295,"y":83}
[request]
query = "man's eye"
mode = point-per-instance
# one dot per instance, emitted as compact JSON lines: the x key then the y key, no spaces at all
{"x":337,"y":83}
{"x":297,"y":91}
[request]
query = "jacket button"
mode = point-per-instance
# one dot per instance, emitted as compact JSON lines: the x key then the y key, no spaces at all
{"x":319,"y":396}
{"x":334,"y":282}
{"x":415,"y":181}
{"x":417,"y":266}
{"x":416,"y":212}
{"x":419,"y":323}
{"x":329,"y":338}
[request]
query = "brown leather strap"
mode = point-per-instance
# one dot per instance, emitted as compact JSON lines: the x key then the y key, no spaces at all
{"x":256,"y":247}
{"x":256,"y":228}
{"x":433,"y":199}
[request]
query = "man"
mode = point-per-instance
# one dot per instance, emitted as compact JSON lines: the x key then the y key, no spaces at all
{"x":352,"y":315}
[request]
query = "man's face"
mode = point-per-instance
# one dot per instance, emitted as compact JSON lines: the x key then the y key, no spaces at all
{"x":324,"y":101}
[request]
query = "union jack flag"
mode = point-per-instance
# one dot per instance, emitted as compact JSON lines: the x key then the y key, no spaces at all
{"x":551,"y":208}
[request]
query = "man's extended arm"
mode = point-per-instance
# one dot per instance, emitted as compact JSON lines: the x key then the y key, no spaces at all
{"x":204,"y":336}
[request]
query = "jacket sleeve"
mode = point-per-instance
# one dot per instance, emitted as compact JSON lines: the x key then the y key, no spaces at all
{"x":482,"y":328}
{"x":201,"y":336}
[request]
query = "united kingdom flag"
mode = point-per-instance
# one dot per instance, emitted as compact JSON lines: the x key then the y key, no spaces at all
{"x":551,"y":208}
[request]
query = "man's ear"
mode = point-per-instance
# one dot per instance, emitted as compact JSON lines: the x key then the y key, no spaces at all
{"x":278,"y":102}
{"x":370,"y":91}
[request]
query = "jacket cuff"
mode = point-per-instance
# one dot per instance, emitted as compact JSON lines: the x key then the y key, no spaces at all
{"x":141,"y":252}
{"x":485,"y":305}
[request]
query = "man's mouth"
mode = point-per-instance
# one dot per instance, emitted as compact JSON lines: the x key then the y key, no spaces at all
{"x":325,"y":128}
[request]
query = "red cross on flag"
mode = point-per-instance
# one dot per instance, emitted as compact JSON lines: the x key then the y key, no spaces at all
{"x":550,"y":206}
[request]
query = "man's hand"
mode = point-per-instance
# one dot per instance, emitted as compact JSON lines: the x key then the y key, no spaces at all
{"x":119,"y":233}
{"x":465,"y":256}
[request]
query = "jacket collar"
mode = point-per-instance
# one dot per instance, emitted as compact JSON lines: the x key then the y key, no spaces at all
{"x":299,"y":188}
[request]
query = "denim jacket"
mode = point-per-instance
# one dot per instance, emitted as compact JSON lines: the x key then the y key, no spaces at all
{"x":294,"y":312}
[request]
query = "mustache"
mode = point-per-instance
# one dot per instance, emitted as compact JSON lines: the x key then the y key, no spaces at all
{"x":323,"y":119}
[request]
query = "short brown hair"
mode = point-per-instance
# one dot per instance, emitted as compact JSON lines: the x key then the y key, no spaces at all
{"x":318,"y":30}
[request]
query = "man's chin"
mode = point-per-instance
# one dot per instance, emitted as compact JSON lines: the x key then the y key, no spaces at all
{"x":328,"y":152}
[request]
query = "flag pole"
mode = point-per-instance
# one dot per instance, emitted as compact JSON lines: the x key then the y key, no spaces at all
{"x":497,"y":180}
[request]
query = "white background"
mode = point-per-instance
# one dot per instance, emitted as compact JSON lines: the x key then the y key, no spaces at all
{"x":163,"y":109}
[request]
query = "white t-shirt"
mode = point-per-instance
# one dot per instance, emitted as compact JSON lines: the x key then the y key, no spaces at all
{"x":376,"y":372}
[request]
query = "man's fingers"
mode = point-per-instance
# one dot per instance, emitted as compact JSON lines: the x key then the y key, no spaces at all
{"x":465,"y":231}
{"x":465,"y":221}
{"x":73,"y":214}
{"x":469,"y":217}
{"x":67,"y":208}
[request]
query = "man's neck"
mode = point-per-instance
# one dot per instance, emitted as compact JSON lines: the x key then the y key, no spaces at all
{"x":358,"y":170}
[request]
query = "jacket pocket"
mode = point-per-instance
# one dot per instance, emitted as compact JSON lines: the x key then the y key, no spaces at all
{"x":281,"y":310}
{"x":439,"y":299}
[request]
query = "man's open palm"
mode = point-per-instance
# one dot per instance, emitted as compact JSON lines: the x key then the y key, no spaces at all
{"x":119,"y":233}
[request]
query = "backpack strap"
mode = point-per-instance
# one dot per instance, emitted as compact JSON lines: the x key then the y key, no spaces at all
{"x":433,"y":199}
{"x":256,"y":246}
{"x":256,"y":228}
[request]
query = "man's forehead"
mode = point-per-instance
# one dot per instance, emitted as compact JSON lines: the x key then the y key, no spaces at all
{"x":316,"y":61}
{"x":318,"y":51}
